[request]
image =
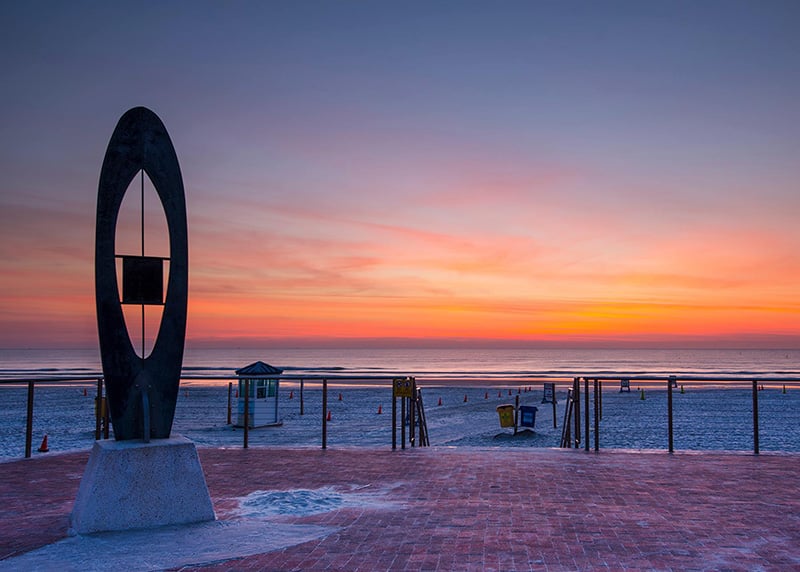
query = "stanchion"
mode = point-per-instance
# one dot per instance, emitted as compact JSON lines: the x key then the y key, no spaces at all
{"x":394,"y":419}
{"x":586,"y":411}
{"x":29,"y":422}
{"x":97,"y":401}
{"x":246,"y":411}
{"x":596,"y":417}
{"x":301,"y":397}
{"x":324,"y":413}
{"x":669,"y":412}
{"x":402,"y":422}
{"x":576,"y":398}
{"x":755,"y":417}
{"x":230,"y":391}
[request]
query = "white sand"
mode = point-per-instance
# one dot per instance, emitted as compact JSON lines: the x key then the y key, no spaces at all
{"x":704,"y":419}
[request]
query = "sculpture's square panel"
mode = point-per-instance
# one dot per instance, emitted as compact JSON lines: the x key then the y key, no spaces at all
{"x":142,"y":280}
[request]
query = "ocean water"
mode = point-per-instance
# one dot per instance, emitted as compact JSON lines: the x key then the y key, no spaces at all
{"x":458,"y":364}
{"x":468,"y":383}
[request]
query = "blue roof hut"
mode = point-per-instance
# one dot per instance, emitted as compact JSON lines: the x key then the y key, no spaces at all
{"x":261,"y":381}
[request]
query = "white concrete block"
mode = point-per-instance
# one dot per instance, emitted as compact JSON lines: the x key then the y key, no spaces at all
{"x":131,"y":484}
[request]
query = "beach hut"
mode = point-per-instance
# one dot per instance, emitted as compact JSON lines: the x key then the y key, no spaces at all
{"x":263,"y":382}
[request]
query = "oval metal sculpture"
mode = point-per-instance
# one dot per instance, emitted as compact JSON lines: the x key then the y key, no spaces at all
{"x":142,"y":391}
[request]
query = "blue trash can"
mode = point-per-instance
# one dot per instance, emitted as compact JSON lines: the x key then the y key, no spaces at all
{"x":527,"y":415}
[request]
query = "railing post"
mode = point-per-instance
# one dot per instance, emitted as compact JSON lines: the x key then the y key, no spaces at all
{"x":755,"y":417}
{"x":669,"y":411}
{"x":600,"y":394}
{"x":230,"y":389}
{"x":402,"y":422}
{"x":596,"y":417}
{"x":324,"y":413}
{"x":301,"y":396}
{"x":394,"y":419}
{"x":98,"y":409}
{"x":576,"y":399}
{"x":29,"y":422}
{"x":586,"y":411}
{"x":246,"y":411}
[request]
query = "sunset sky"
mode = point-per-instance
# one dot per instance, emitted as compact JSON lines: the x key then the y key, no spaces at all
{"x":417,"y":173}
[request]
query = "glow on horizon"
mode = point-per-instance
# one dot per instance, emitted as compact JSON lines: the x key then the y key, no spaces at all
{"x":531,"y":176}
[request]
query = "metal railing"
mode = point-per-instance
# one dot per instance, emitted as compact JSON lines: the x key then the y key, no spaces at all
{"x":671,"y":381}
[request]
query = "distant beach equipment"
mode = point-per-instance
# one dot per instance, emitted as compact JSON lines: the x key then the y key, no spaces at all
{"x":642,"y":393}
{"x":624,"y":385}
{"x":465,"y":398}
{"x":43,"y":447}
{"x":380,"y":409}
{"x":527,"y":415}
{"x":440,"y":401}
{"x":506,"y":414}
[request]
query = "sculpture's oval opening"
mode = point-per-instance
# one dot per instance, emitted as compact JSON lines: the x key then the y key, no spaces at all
{"x":142,"y":232}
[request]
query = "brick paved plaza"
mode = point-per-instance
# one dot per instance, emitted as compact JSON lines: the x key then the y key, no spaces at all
{"x":473,"y":509}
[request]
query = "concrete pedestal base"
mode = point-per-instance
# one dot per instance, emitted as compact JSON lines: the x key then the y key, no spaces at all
{"x":131,"y":484}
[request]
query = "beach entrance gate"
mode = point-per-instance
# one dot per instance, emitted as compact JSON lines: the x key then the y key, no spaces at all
{"x":258,"y":395}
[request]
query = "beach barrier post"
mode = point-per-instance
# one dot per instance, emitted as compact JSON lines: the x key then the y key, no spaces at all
{"x":596,"y":417}
{"x":566,"y":439}
{"x":394,"y":418}
{"x":246,"y":411}
{"x":29,"y":422}
{"x":576,"y":398}
{"x":301,"y":396}
{"x":97,"y":402}
{"x":600,"y":395}
{"x":755,"y":417}
{"x":402,"y":422}
{"x":412,"y":427}
{"x":670,"y":383}
{"x":230,"y":391}
{"x":324,"y":413}
{"x":586,"y":412}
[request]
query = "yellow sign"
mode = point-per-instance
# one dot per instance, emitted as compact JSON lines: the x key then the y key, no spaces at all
{"x":404,"y":387}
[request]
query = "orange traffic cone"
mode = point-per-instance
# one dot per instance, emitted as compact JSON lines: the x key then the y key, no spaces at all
{"x":43,"y":448}
{"x":440,"y":401}
{"x":85,"y":393}
{"x":380,"y":409}
{"x":329,"y":414}
{"x":291,"y":395}
{"x":340,"y":397}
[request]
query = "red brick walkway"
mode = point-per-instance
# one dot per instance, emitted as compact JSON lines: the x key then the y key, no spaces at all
{"x":478,"y":509}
